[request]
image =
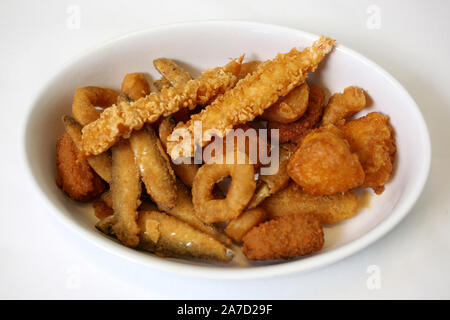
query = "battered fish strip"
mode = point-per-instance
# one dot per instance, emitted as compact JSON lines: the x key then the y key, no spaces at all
{"x":120,"y":120}
{"x":126,"y":191}
{"x":293,"y":199}
{"x":253,"y":94}
{"x":176,"y":75}
{"x":154,"y":167}
{"x":100,"y":163}
{"x":168,"y":236}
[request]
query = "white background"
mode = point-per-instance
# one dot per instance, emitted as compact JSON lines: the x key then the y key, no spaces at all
{"x":39,"y":258}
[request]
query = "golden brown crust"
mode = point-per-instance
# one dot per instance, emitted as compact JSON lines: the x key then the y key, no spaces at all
{"x":134,"y":86}
{"x":171,"y":71}
{"x":343,"y":105}
{"x":75,"y":177}
{"x":284,"y":238}
{"x":101,"y":209}
{"x":239,"y":226}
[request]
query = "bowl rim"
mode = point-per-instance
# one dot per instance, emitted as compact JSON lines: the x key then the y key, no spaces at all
{"x":210,"y":271}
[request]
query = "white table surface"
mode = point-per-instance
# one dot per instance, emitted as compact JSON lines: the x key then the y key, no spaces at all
{"x":40,"y":258}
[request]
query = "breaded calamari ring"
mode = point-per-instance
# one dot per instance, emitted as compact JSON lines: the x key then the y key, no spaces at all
{"x":284,"y":238}
{"x":294,"y":131}
{"x":209,"y":209}
{"x":86,"y":100}
{"x":253,"y":94}
{"x":372,"y":139}
{"x":293,"y":199}
{"x":343,"y":105}
{"x":324,"y":164}
{"x":74,"y":177}
{"x":120,"y":120}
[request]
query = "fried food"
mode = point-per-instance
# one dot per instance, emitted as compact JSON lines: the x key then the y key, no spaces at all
{"x":120,"y":120}
{"x":106,"y":197}
{"x":248,"y":68}
{"x":343,"y":105}
{"x":176,"y":75}
{"x":209,"y":209}
{"x":169,"y":236}
{"x":253,"y":94}
{"x":126,"y":191}
{"x":372,"y":139}
{"x":239,"y":226}
{"x":134,"y":86}
{"x":154,"y":167}
{"x":293,"y":199}
{"x":100,"y":163}
{"x":75,"y":178}
{"x":271,"y":184}
{"x":86,"y":100}
{"x":284,"y":238}
{"x":184,"y":210}
{"x":101,"y":209}
{"x":290,"y":107}
{"x":324,"y":164}
{"x":185,"y":171}
{"x":294,"y":131}
{"x":162,"y":83}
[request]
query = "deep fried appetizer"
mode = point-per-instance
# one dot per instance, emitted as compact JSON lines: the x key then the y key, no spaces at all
{"x":294,"y":131}
{"x":271,"y":184}
{"x":290,"y":107}
{"x":253,"y":94}
{"x":176,"y":75}
{"x":209,"y":209}
{"x":102,"y":210}
{"x":324,"y":164}
{"x":154,"y":167}
{"x":162,"y":83}
{"x":134,"y":86}
{"x":120,"y":120}
{"x":100,"y":163}
{"x":126,"y":191}
{"x":284,"y":238}
{"x":293,"y":199}
{"x":75,"y":178}
{"x":248,"y":68}
{"x":372,"y":139}
{"x":239,"y":226}
{"x":343,"y":105}
{"x":86,"y":100}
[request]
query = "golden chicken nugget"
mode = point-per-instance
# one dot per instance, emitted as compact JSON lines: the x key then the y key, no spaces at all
{"x":324,"y":164}
{"x":239,"y":226}
{"x":285,"y":237}
{"x":343,"y":105}
{"x":371,"y":138}
{"x":293,"y":199}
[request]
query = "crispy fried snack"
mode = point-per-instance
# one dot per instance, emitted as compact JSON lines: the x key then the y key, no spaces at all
{"x":372,"y":138}
{"x":87,"y":98}
{"x":162,"y":83}
{"x":255,"y":93}
{"x":176,"y":75}
{"x":120,"y":120}
{"x":293,"y":199}
{"x":343,"y":105}
{"x":134,"y":86}
{"x":106,"y":197}
{"x":209,"y":209}
{"x":290,"y":107}
{"x":101,"y":209}
{"x":284,"y":238}
{"x":185,"y":171}
{"x":100,"y":163}
{"x":184,"y":210}
{"x":126,"y":191}
{"x":294,"y":131}
{"x":154,"y":167}
{"x":169,"y":236}
{"x":239,"y":226}
{"x":75,"y":178}
{"x":324,"y":165}
{"x":248,"y":68}
{"x":271,"y":184}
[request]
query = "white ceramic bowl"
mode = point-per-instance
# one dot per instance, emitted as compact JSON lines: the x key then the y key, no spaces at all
{"x":201,"y":45}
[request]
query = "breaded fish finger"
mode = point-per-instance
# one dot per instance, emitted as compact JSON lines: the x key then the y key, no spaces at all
{"x":126,"y":191}
{"x":154,"y":167}
{"x":100,"y":163}
{"x":120,"y":120}
{"x":253,"y":94}
{"x":293,"y":199}
{"x":285,"y":237}
{"x":171,"y":71}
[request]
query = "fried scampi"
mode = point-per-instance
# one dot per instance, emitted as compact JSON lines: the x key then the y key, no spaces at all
{"x":253,"y":94}
{"x":293,"y":199}
{"x":75,"y":178}
{"x":285,"y":237}
{"x":343,"y":105}
{"x":120,"y":120}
